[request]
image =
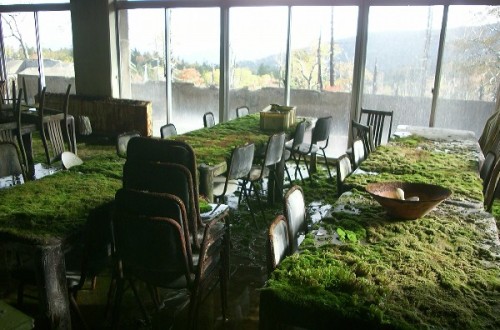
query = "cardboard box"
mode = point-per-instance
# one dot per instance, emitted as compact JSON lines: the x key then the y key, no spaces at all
{"x":277,"y":118}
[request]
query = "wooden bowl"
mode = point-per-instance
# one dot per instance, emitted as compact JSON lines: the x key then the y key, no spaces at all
{"x":429,"y":197}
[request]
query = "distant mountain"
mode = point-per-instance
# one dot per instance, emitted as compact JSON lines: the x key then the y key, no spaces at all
{"x":391,"y":50}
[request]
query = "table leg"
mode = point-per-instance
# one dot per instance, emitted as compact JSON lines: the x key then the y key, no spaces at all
{"x":28,"y":148}
{"x":52,"y":288}
{"x":206,"y":182}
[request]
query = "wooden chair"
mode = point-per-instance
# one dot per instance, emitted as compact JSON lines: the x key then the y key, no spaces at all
{"x":294,"y":209}
{"x":358,"y":152}
{"x":168,"y":130}
{"x":344,"y":169}
{"x":122,"y":141}
{"x":11,"y":132}
{"x":54,"y":130}
{"x":365,"y":134}
{"x":143,"y":149}
{"x":242,"y":111}
{"x":278,"y":243}
{"x":153,"y":250}
{"x":492,"y":187}
{"x":208,"y":119}
{"x":320,"y":134}
{"x":376,"y":119}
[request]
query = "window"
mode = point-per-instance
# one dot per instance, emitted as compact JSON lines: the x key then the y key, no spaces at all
{"x":470,"y":72}
{"x":322,"y":62}
{"x":401,"y":61}
{"x":194,"y":55}
{"x":257,"y":44}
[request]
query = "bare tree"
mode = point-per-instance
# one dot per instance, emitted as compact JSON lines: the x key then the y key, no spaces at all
{"x":320,"y":80}
{"x":332,"y":65}
{"x":11,"y":21}
{"x":374,"y":82}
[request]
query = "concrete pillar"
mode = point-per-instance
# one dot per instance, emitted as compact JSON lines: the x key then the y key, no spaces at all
{"x":95,"y":47}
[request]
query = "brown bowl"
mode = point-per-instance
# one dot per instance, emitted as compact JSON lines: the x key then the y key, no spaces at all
{"x":429,"y":197}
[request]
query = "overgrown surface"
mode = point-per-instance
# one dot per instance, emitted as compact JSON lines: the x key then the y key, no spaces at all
{"x":440,"y":271}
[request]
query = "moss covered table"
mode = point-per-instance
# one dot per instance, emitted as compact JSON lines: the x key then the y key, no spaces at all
{"x":49,"y":215}
{"x":359,"y":269}
{"x":213,"y":147}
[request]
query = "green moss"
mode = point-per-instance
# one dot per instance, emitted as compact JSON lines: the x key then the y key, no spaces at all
{"x":433,"y":272}
{"x":228,"y":135}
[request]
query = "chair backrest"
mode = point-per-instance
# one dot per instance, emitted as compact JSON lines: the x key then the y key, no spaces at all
{"x":10,"y":162}
{"x":295,"y":214}
{"x":492,"y":187}
{"x":298,"y":135}
{"x":344,"y":169}
{"x":168,"y":178}
{"x":376,"y":119}
{"x":155,"y":204}
{"x":365,"y":133}
{"x":122,"y":141}
{"x":358,"y":152}
{"x":168,"y":130}
{"x":151,"y":249}
{"x":487,"y":168}
{"x":274,"y":149}
{"x":242,"y":111}
{"x":240,"y":164}
{"x":167,"y":151}
{"x":52,"y":131}
{"x":278,"y":244}
{"x":208,"y":119}
{"x":321,"y":131}
{"x":11,"y":131}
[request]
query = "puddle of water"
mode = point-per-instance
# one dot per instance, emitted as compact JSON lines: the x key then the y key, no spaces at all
{"x":41,"y":171}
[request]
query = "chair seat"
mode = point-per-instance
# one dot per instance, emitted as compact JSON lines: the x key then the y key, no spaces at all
{"x":219,"y":181}
{"x":303,"y":148}
{"x":255,"y":172}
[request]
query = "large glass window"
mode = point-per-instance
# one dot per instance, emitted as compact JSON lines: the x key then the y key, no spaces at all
{"x":257,"y":44}
{"x":401,"y":61}
{"x":56,"y":42}
{"x":194,"y":55}
{"x":142,"y":48}
{"x":322,"y":61}
{"x":21,"y":56}
{"x":470,"y":70}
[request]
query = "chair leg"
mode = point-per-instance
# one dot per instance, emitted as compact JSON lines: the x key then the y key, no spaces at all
{"x":259,"y":202}
{"x":139,"y":301}
{"x":74,"y":305}
{"x":248,"y":203}
{"x":120,"y":287}
{"x":326,"y":163}
{"x":297,"y":168}
{"x":307,"y":168}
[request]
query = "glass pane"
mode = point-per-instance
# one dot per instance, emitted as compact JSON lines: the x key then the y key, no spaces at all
{"x":257,"y":43}
{"x":194,"y":52}
{"x":470,"y":71}
{"x":56,"y":42}
{"x":30,"y":2}
{"x":401,"y":61}
{"x":21,"y":58}
{"x":321,"y":79}
{"x":142,"y":49}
